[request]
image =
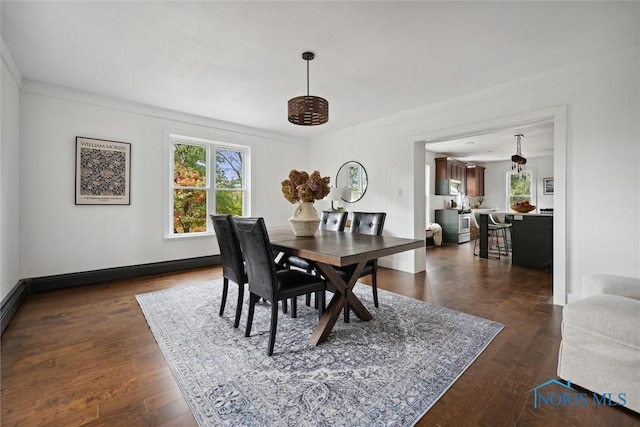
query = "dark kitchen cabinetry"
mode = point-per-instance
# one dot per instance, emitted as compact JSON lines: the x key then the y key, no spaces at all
{"x":450,"y":176}
{"x":448,"y":220}
{"x":475,"y":180}
{"x":455,"y":225}
{"x":448,"y":168}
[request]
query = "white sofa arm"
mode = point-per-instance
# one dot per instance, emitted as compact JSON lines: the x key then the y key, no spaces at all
{"x":596,"y":284}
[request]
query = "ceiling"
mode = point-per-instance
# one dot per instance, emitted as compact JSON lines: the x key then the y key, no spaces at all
{"x":537,"y":141}
{"x":241,"y":61}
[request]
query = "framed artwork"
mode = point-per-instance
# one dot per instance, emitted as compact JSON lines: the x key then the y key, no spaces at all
{"x":103,"y":172}
{"x":548,"y":185}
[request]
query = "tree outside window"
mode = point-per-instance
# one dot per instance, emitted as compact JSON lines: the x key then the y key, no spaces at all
{"x":190,"y":188}
{"x":520,"y":187}
{"x":194,"y":196}
{"x":229,"y":182}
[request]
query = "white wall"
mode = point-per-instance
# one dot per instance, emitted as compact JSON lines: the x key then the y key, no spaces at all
{"x":437,"y":201}
{"x":388,"y":160}
{"x":60,"y":237}
{"x":602,"y":191}
{"x":10,"y":208}
{"x":495,"y":182}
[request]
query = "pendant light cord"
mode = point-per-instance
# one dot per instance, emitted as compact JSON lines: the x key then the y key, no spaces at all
{"x":307,"y":78}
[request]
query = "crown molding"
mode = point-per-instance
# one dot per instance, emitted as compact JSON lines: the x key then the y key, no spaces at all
{"x":35,"y":87}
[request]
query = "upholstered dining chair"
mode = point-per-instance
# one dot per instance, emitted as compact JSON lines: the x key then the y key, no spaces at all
{"x":330,"y":220}
{"x":265,"y":281}
{"x":371,"y":223}
{"x":333,"y":221}
{"x":232,"y":261}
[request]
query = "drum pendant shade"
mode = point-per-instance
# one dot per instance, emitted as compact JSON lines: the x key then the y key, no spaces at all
{"x":308,"y":110}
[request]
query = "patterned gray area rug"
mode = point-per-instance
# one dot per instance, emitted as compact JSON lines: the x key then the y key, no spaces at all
{"x":385,"y":372}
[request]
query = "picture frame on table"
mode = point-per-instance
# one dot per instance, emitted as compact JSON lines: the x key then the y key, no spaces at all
{"x":548,"y":185}
{"x":103,"y":172}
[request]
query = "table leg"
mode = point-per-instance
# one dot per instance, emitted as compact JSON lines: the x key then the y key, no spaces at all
{"x":331,"y":314}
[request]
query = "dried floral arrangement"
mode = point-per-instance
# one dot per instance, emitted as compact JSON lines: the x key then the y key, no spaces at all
{"x":304,"y":187}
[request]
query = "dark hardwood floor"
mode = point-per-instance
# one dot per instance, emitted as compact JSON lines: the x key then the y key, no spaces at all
{"x":85,"y":356}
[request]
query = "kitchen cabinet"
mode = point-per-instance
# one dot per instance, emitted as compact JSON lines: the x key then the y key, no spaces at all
{"x":455,"y":225}
{"x":447,"y":170}
{"x":475,"y":180}
{"x":441,"y":169}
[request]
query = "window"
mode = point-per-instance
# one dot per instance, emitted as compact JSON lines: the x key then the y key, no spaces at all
{"x":520,"y":187}
{"x":190,"y":188}
{"x":206,"y":178}
{"x":229,"y":188}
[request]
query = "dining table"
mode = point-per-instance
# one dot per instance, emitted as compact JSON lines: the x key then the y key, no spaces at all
{"x":329,"y":249}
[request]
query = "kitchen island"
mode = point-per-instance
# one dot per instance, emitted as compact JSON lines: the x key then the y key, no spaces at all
{"x":531,"y":238}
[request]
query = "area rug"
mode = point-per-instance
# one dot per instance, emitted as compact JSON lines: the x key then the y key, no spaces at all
{"x":385,"y":372}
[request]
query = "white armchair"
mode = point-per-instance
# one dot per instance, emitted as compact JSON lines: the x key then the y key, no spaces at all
{"x":600,"y":348}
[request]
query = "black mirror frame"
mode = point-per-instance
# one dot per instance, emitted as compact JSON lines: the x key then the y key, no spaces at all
{"x":365,"y":174}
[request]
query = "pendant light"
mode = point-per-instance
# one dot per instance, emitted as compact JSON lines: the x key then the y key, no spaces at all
{"x":518,"y":161}
{"x":308,"y":110}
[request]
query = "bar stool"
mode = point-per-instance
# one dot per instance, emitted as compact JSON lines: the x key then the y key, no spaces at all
{"x":500,"y":228}
{"x":494,"y":231}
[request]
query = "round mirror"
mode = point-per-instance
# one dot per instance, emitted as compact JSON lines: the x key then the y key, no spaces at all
{"x":352,"y":177}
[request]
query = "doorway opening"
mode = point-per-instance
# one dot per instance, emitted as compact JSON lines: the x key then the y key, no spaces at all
{"x":556,"y":118}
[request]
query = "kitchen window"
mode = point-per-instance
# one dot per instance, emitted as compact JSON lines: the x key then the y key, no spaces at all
{"x":520,"y":187}
{"x":207,"y":177}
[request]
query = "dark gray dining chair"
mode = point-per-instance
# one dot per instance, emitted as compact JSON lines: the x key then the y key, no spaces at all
{"x":333,"y":221}
{"x":232,"y":261}
{"x":265,"y":281}
{"x":371,"y":223}
{"x":330,"y":220}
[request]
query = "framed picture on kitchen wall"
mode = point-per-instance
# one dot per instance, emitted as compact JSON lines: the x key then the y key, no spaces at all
{"x":548,"y":185}
{"x":103,"y":172}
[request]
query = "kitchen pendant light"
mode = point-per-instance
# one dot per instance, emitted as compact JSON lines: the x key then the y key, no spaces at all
{"x":518,"y":161}
{"x":308,"y":110}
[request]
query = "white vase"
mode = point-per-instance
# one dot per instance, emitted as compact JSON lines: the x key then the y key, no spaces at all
{"x":305,"y":220}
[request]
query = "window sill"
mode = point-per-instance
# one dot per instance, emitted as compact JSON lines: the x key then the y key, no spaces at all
{"x":172,"y":237}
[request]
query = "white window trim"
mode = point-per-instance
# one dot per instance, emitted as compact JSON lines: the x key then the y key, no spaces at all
{"x":211,"y":144}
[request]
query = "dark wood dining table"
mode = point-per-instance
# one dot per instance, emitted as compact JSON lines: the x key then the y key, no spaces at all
{"x":329,"y":249}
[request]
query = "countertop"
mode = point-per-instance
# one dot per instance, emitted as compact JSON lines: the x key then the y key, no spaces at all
{"x":488,"y":211}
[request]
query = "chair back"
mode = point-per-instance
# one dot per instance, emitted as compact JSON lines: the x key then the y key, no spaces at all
{"x":496,"y":220}
{"x":370,"y":223}
{"x":258,"y":256}
{"x":230,"y":252}
{"x":333,"y":221}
